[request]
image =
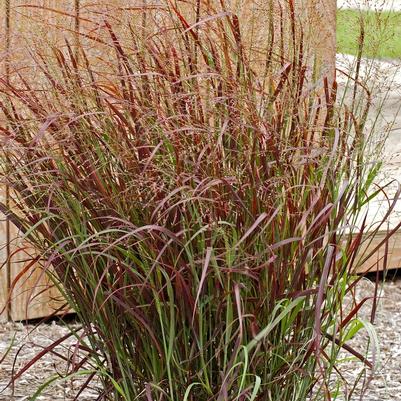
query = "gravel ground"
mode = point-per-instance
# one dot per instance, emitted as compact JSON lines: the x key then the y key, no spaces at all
{"x":33,"y":342}
{"x":385,"y":384}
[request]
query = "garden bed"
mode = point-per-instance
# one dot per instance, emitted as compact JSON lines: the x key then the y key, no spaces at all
{"x":32,"y":342}
{"x":385,"y":385}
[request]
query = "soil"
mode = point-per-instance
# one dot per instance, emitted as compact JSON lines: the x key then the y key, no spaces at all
{"x":384,"y":383}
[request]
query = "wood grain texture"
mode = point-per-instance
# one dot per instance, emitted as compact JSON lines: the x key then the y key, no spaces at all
{"x":56,"y":21}
{"x":33,"y":294}
{"x":4,"y":71}
{"x":321,"y":30}
{"x":3,"y":264}
{"x":377,"y":261}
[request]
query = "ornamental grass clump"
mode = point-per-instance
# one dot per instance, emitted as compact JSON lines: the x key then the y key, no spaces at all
{"x":193,"y":197}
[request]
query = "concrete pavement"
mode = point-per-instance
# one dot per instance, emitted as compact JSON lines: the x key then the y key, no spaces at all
{"x":384,"y":79}
{"x":384,"y":5}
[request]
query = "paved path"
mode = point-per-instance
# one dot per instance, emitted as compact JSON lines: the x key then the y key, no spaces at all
{"x":385,"y":79}
{"x":386,"y":385}
{"x":385,"y":76}
{"x":371,"y":4}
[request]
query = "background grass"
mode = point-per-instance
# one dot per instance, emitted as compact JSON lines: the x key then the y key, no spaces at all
{"x":382,"y":30}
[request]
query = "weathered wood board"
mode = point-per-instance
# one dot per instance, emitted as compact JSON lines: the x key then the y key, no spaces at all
{"x":25,"y":290}
{"x":4,"y":271}
{"x":33,"y":294}
{"x":377,"y":262}
{"x":28,"y":19}
{"x":322,"y":32}
{"x":3,"y":267}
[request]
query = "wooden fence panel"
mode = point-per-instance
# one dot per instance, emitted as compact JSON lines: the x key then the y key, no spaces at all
{"x":33,"y":295}
{"x":320,"y":27}
{"x":33,"y":26}
{"x":49,"y":22}
{"x":3,"y":265}
{"x":30,"y":291}
{"x":378,"y":260}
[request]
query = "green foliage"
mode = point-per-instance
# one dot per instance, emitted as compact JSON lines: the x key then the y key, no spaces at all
{"x":382,"y":32}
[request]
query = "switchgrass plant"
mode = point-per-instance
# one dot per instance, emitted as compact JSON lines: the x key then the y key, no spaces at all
{"x":194,"y":199}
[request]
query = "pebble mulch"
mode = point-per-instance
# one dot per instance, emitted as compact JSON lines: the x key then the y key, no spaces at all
{"x":384,"y":384}
{"x":32,"y":342}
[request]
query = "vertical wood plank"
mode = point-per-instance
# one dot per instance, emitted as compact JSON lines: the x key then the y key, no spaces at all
{"x":34,"y":295}
{"x":3,"y":264}
{"x":322,"y":34}
{"x":4,"y":195}
{"x":49,"y":27}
